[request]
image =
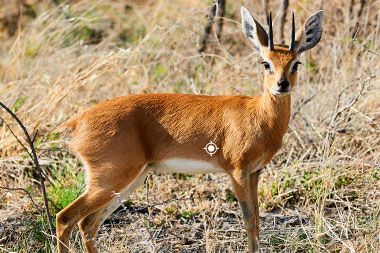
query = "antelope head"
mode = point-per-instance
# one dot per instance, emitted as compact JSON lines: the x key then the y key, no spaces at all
{"x":281,"y":61}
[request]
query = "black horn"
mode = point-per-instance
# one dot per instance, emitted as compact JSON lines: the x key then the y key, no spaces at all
{"x":293,"y":34}
{"x":271,"y":45}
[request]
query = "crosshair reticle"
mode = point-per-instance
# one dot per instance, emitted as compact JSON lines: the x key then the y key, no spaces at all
{"x":211,"y":148}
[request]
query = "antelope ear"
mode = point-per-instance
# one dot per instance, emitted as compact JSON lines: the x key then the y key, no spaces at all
{"x":310,"y":33}
{"x":254,"y":32}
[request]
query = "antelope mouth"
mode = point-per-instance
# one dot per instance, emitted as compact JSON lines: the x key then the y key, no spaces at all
{"x":280,"y":92}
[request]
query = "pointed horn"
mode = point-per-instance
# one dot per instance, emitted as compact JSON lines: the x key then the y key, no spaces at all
{"x":293,"y":34}
{"x":271,"y":45}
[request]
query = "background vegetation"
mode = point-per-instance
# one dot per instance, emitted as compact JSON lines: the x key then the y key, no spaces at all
{"x":320,"y":193}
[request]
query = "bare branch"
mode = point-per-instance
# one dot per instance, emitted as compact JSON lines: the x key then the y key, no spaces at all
{"x":218,"y":8}
{"x":302,"y":103}
{"x":284,"y":10}
{"x":221,"y":13}
{"x":21,"y":189}
{"x":339,"y":111}
{"x":350,"y":103}
{"x":35,"y":160}
{"x":366,"y":48}
{"x":34,"y":135}
{"x":359,"y":14}
{"x":14,"y":135}
{"x":362,"y":3}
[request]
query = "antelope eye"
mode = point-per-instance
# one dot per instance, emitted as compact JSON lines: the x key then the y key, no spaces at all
{"x":295,"y":67}
{"x":266,"y":65}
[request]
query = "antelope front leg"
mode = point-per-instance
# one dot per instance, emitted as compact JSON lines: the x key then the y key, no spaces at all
{"x":246,"y":193}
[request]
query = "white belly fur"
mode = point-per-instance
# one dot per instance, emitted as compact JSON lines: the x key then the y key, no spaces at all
{"x":186,"y":166}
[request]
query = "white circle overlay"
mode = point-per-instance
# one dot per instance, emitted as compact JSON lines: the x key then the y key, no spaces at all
{"x":211,"y":148}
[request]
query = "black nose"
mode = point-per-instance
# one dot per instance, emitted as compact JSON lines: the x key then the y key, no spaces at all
{"x":283,"y":84}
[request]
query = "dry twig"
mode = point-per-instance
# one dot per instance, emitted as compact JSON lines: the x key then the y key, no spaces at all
{"x":360,"y":44}
{"x":35,"y":160}
{"x":21,"y":189}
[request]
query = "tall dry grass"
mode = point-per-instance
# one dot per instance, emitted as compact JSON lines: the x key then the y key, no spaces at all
{"x":321,"y":192}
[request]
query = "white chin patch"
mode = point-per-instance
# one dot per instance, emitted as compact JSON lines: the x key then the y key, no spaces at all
{"x":280,"y":93}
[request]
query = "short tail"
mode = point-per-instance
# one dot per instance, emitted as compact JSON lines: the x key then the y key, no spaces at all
{"x":68,"y":127}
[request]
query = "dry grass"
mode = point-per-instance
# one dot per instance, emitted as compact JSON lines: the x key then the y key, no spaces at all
{"x":321,"y":192}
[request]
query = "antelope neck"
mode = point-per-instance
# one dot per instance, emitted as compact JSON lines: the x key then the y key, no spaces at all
{"x":275,"y":110}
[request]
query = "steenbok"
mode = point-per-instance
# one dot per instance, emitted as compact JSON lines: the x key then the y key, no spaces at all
{"x":122,"y":139}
